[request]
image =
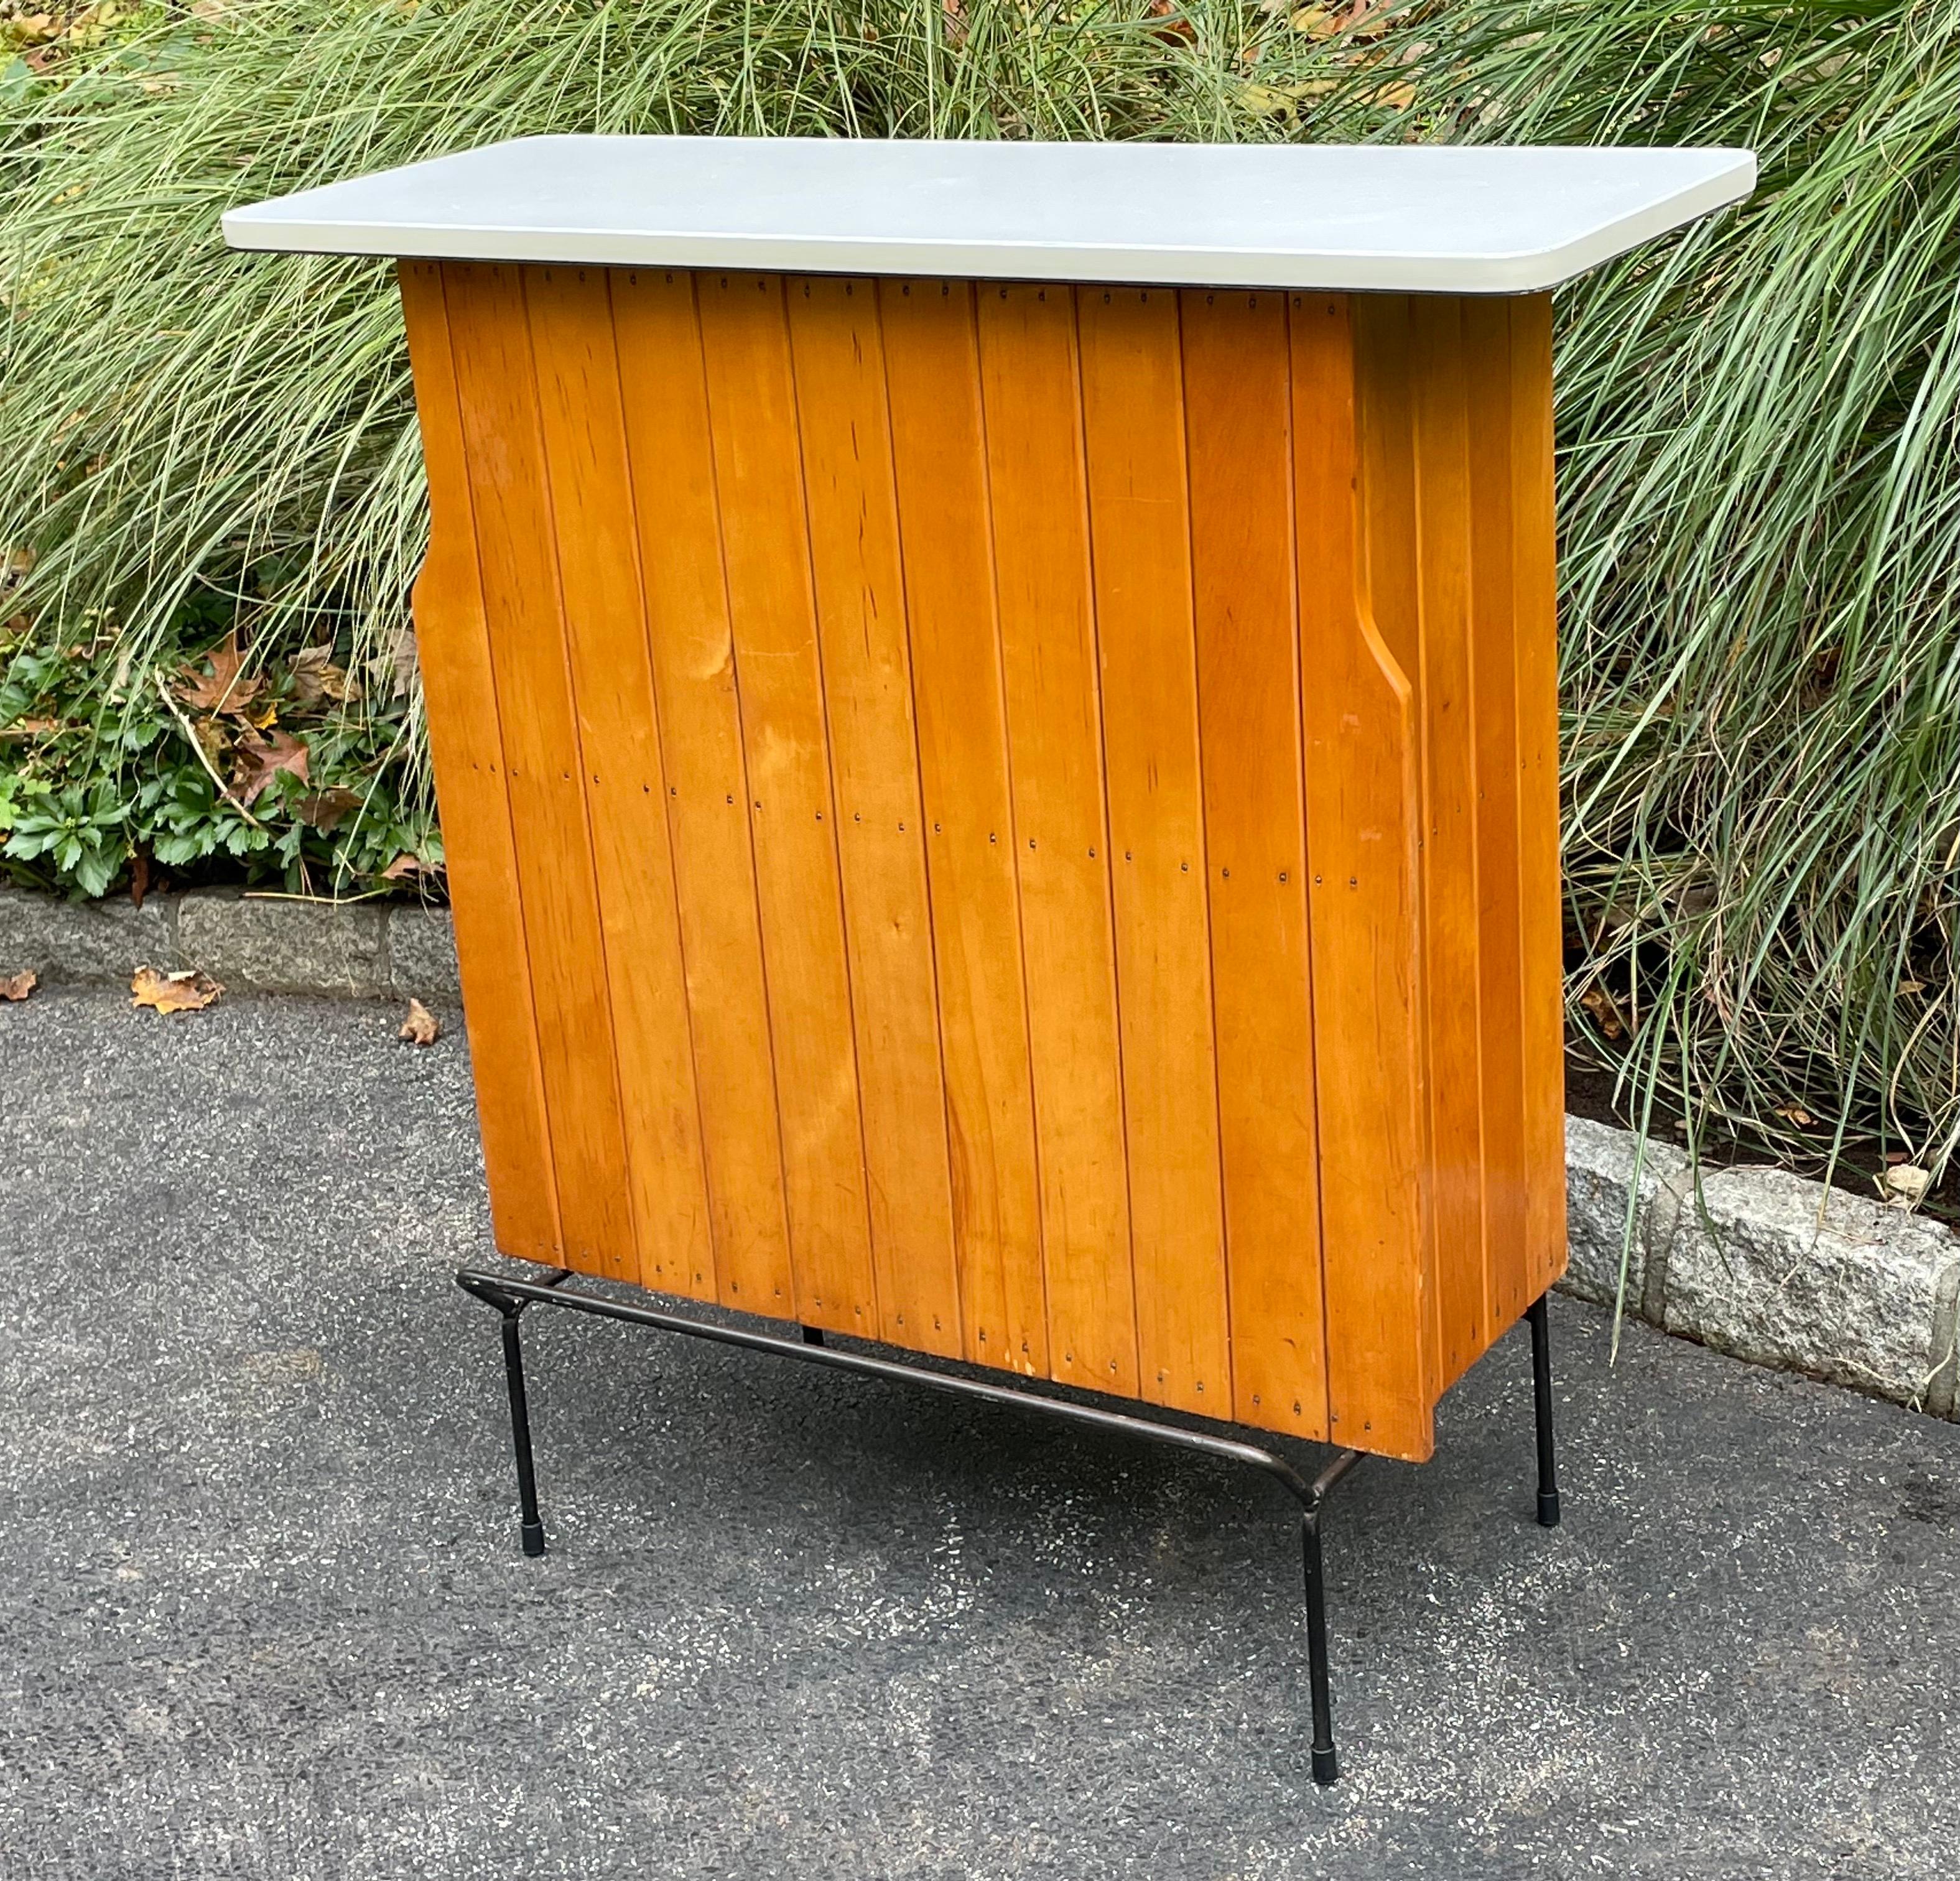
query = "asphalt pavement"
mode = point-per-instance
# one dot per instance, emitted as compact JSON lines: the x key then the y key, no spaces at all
{"x":264,"y":1612}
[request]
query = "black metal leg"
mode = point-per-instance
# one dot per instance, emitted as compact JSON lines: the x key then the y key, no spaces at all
{"x":532,"y":1527}
{"x":1547,"y":1474}
{"x":510,"y":1297}
{"x":1326,"y":1764}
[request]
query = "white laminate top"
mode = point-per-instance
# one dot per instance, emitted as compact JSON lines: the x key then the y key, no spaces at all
{"x":1480,"y":219}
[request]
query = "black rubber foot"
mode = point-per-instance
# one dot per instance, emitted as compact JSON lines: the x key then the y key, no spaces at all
{"x":1547,"y":1508}
{"x":534,"y":1539}
{"x":1326,"y":1765}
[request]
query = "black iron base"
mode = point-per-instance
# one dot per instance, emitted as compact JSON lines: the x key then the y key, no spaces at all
{"x":511,"y":1296}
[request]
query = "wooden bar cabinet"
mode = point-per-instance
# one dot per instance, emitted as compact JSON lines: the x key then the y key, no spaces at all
{"x":995,"y":710}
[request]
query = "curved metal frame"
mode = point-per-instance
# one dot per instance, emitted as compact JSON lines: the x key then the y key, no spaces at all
{"x":511,"y":1296}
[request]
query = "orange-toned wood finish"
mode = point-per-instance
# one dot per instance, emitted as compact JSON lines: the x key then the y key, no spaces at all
{"x":1017,"y":821}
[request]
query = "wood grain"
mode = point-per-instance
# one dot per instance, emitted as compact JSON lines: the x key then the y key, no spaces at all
{"x":947,"y":538}
{"x":570,"y":315}
{"x":1450,"y":716}
{"x":1016,"y":821}
{"x":1133,"y":411}
{"x":765,"y":554}
{"x":465,"y":740}
{"x":1036,"y":488}
{"x":1363,"y":801}
{"x":1507,"y":1184}
{"x":517,"y":559}
{"x":1533,"y":604}
{"x":845,"y":433}
{"x":664,"y":397}
{"x":1238,"y":396}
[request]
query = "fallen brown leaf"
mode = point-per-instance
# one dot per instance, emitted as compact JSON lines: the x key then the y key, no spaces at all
{"x":1605,"y":1010}
{"x":403,"y":867}
{"x":261,"y":760}
{"x":401,"y":659}
{"x":421,"y":1027}
{"x":316,"y":677}
{"x":17,"y":986}
{"x":223,"y":689}
{"x":190,"y":991}
{"x":330,"y":808}
{"x":1174,"y":25}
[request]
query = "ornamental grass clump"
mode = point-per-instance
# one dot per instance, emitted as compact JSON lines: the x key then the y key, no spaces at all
{"x":1760,"y":479}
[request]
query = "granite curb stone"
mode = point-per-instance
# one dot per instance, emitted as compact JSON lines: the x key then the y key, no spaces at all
{"x":1758,"y":1263}
{"x":85,"y":943}
{"x":269,"y":945}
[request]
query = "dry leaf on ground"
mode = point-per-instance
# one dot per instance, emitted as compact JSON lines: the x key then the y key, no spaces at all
{"x":316,"y":677}
{"x":1605,"y":1009}
{"x":223,"y":688}
{"x":19,"y":985}
{"x":421,"y":1027}
{"x":328,"y":809}
{"x":262,"y":759}
{"x":188,"y":991}
{"x":401,"y":660}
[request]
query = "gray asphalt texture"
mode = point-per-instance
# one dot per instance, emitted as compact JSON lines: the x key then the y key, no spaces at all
{"x":265,"y":1613}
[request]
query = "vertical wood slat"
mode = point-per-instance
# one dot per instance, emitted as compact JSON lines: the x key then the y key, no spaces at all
{"x":845,"y":433}
{"x":1534,"y":590}
{"x":466,"y":742}
{"x":1453,"y":829}
{"x":938,"y":453}
{"x":590,"y":485}
{"x":497,"y":386}
{"x":1507,"y":1174}
{"x":665,"y":396}
{"x":1238,"y":381}
{"x":1362,"y":805}
{"x":765,"y":538}
{"x":1133,"y":409}
{"x":1036,"y":488}
{"x":1389,"y":501}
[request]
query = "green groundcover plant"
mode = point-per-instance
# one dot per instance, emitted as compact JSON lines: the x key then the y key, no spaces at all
{"x":203,"y":456}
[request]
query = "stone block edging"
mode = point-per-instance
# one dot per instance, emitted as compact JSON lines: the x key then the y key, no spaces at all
{"x":261,"y":943}
{"x":1759,"y":1263}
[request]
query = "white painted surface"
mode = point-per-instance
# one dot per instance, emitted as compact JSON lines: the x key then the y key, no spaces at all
{"x":1482,"y":220}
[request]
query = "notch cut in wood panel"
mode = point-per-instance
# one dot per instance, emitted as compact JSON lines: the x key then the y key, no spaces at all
{"x":1363,"y":799}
